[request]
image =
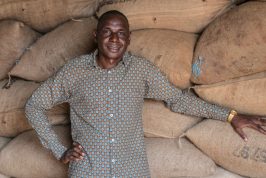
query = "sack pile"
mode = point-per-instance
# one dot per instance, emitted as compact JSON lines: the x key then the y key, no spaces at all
{"x":43,"y":36}
{"x":188,"y":16}
{"x":215,"y":47}
{"x":229,"y":64}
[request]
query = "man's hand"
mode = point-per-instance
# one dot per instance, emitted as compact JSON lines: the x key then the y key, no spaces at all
{"x":75,"y":153}
{"x":255,"y":122}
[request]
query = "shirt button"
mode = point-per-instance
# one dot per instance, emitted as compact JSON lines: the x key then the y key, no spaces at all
{"x":111,"y":115}
{"x":113,"y":160}
{"x":110,"y":90}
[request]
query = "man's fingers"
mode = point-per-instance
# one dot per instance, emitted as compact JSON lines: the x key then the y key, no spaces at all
{"x":257,"y":127}
{"x":262,"y":121}
{"x":241,"y":134}
{"x":75,"y":157}
{"x":78,"y":150}
{"x":77,"y":145}
{"x":259,"y":120}
{"x":261,"y":129}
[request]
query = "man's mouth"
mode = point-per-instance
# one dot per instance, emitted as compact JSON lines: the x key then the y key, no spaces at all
{"x":113,"y":48}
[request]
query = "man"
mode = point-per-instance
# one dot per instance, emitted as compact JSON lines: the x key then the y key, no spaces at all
{"x":106,"y":91}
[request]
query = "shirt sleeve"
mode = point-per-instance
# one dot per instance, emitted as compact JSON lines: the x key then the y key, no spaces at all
{"x":158,"y":87}
{"x":50,"y":93}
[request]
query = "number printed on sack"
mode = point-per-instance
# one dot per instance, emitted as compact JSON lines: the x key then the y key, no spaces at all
{"x":251,"y":153}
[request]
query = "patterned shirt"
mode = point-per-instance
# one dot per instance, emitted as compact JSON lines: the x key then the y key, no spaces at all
{"x":106,"y":112}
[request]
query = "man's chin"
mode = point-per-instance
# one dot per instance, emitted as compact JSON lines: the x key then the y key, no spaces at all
{"x":115,"y":54}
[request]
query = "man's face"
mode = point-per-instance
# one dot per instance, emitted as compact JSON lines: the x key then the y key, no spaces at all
{"x":113,"y":37}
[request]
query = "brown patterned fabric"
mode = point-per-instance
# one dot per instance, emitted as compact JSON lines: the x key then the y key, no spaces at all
{"x":106,"y":110}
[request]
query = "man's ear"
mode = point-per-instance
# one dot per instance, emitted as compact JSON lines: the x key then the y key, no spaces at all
{"x":95,"y":35}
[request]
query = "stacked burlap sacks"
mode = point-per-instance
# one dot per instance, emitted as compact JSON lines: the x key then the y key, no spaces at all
{"x":27,"y":58}
{"x":230,"y":63}
{"x":170,"y":49}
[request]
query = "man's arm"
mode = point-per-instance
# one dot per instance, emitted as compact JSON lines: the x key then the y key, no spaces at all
{"x":158,"y":87}
{"x":50,"y":93}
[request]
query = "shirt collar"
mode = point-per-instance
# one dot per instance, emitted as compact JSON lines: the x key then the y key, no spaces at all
{"x":125,"y":59}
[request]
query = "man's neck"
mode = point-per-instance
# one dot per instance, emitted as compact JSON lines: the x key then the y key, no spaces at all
{"x":107,"y":63}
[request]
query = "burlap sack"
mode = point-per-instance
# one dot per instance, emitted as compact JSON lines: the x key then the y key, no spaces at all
{"x":159,"y":121}
{"x":3,"y":142}
{"x":15,"y":37}
{"x":53,"y":50}
{"x":220,"y":173}
{"x":12,"y":116}
{"x":15,"y":122}
{"x":189,"y":16}
{"x":3,"y":176}
{"x":167,"y":160}
{"x":219,"y":141}
{"x":24,"y":157}
{"x":232,"y":46}
{"x":170,"y":50}
{"x":245,"y":94}
{"x":16,"y":96}
{"x":45,"y":15}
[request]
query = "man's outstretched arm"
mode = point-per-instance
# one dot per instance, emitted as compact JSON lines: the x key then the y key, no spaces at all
{"x":158,"y":87}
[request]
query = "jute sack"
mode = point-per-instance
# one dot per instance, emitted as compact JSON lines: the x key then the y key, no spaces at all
{"x":232,"y":46}
{"x":54,"y":49}
{"x":245,"y":94}
{"x":220,"y":173}
{"x":167,"y":160}
{"x":16,"y":95}
{"x":25,"y":157}
{"x":3,"y":142}
{"x":159,"y":121}
{"x":46,"y":15}
{"x":3,"y":176}
{"x":12,"y":116}
{"x":15,"y":37}
{"x":15,"y":122}
{"x":170,"y":50}
{"x":219,"y":141}
{"x":188,"y":16}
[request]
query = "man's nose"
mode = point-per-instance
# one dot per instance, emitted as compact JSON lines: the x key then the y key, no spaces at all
{"x":114,"y":37}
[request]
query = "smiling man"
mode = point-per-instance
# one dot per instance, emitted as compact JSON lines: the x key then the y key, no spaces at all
{"x":106,"y":91}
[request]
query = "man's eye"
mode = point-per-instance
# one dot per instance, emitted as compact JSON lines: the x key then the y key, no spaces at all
{"x":106,"y":32}
{"x":121,"y":34}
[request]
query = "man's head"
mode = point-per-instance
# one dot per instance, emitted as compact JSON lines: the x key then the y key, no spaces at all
{"x":112,"y":35}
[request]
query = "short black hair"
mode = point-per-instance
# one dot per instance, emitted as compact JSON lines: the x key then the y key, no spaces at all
{"x":108,"y":14}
